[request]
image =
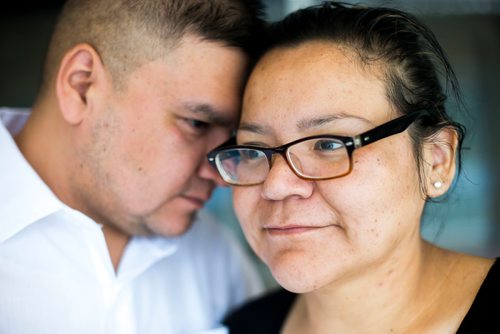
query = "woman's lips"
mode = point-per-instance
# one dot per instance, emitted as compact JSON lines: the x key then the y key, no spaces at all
{"x":292,"y":229}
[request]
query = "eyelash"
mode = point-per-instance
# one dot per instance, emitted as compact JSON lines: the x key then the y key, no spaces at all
{"x":196,"y":125}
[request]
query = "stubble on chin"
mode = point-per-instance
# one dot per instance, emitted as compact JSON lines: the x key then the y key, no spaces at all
{"x":167,"y":228}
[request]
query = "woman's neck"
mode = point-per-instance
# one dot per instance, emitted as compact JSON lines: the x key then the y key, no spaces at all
{"x":405,"y":294}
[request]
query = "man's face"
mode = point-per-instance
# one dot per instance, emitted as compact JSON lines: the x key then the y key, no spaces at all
{"x":144,"y":167}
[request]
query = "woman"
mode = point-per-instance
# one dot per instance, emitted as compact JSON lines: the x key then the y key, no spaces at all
{"x":343,"y":138}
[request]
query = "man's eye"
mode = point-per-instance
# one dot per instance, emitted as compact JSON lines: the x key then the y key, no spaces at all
{"x":197,"y":124}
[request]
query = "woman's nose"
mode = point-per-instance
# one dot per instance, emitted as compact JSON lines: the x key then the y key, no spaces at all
{"x":281,"y":182}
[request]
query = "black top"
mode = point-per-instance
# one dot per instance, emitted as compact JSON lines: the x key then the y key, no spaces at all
{"x":267,"y":314}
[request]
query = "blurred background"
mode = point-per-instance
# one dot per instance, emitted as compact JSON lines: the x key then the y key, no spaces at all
{"x":467,"y":220}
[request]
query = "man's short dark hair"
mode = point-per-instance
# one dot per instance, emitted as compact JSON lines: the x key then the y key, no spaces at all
{"x":126,"y":33}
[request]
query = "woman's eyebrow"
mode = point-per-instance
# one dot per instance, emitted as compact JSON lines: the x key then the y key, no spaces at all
{"x":315,"y":122}
{"x":302,"y":125}
{"x":255,"y":128}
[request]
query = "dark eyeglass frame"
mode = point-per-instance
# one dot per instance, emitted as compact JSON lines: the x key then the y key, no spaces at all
{"x":382,"y":131}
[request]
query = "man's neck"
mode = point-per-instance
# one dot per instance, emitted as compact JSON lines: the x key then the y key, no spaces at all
{"x":116,"y":241}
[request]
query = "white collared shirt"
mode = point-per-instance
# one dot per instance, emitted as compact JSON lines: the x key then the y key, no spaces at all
{"x":56,"y":275}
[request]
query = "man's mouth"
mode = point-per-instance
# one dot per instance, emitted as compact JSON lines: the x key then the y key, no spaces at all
{"x":198,"y":201}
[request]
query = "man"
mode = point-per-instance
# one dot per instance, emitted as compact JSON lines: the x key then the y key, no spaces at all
{"x":100,"y":186}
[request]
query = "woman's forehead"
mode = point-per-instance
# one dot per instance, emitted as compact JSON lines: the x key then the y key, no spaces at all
{"x":311,"y":82}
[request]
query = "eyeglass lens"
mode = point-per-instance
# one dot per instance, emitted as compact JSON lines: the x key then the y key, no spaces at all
{"x":319,"y":158}
{"x":316,"y":158}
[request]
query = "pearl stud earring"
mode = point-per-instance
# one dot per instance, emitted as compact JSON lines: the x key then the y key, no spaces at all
{"x":438,"y":184}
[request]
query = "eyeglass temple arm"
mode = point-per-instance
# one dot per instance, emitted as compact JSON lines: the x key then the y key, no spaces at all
{"x":390,"y":128}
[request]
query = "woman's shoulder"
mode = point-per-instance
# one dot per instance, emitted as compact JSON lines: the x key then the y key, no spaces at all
{"x":483,"y":312}
{"x":262,"y":315}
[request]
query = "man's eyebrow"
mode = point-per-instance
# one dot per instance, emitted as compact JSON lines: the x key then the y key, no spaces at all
{"x":308,"y":123}
{"x":210,"y":114}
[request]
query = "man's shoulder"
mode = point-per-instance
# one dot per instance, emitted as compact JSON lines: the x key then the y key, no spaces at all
{"x":26,"y":198}
{"x":211,"y":245}
{"x":206,"y":230}
{"x":222,"y":269}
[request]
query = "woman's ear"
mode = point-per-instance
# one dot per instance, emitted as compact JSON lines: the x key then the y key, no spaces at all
{"x":440,"y":160}
{"x":79,"y":71}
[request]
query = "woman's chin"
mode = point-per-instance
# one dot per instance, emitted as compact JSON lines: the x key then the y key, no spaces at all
{"x":296,"y":276}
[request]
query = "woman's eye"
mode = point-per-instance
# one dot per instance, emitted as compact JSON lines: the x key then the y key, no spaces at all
{"x":251,"y":154}
{"x":327,"y":145}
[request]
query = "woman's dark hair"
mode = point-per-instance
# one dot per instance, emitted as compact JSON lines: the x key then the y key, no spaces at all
{"x":411,"y":57}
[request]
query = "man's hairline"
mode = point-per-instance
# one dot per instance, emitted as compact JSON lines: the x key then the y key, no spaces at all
{"x":173,"y":43}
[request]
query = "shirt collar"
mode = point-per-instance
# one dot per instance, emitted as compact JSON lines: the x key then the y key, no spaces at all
{"x":24,"y":197}
{"x":143,"y":252}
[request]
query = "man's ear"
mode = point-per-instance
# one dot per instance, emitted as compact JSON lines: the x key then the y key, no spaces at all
{"x":79,"y":70}
{"x":440,"y":160}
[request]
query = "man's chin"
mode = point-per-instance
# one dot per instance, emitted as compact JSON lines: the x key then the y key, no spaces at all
{"x":173,"y":227}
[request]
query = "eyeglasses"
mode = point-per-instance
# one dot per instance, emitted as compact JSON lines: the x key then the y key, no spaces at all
{"x":318,"y":157}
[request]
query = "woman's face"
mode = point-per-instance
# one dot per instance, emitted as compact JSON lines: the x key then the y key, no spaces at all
{"x":313,"y":233}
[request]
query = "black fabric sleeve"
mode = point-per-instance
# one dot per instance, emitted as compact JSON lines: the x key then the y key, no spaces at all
{"x":264,"y":315}
{"x":484,"y":314}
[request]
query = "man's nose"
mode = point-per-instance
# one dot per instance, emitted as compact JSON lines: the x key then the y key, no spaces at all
{"x":207,"y":172}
